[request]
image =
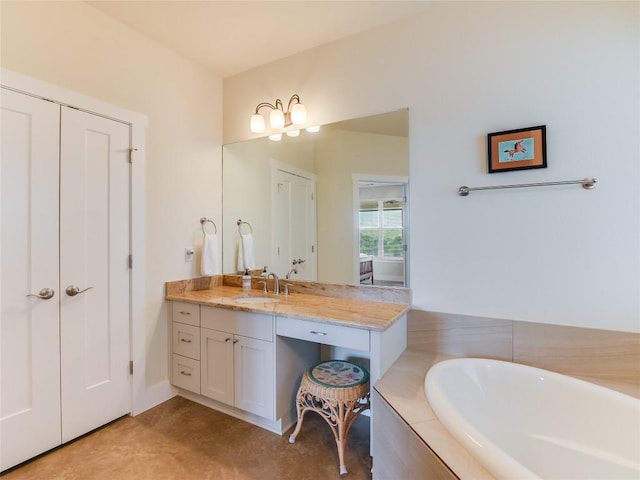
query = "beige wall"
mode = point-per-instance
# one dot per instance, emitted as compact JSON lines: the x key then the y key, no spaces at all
{"x":337,"y":160}
{"x":555,"y":255}
{"x":73,"y":45}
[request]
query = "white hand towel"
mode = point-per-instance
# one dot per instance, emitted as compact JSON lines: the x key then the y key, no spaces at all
{"x":210,"y":264}
{"x":245,"y":253}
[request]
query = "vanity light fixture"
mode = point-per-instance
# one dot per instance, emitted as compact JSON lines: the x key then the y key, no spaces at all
{"x":296,"y":114}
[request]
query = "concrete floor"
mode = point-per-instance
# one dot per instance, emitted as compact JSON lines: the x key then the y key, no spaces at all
{"x":183,"y":440}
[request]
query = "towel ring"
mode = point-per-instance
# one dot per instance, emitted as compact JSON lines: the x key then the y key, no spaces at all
{"x":240,"y":223}
{"x":204,"y":221}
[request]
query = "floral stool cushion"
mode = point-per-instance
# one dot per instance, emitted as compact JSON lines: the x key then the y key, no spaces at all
{"x":338,"y":374}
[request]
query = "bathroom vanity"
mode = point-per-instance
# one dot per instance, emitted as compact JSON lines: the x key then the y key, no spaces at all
{"x":243,"y":352}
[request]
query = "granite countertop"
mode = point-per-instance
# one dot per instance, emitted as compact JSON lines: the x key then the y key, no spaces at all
{"x":365,"y":314}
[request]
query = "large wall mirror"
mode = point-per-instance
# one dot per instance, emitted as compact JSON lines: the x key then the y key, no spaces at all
{"x":329,"y":206}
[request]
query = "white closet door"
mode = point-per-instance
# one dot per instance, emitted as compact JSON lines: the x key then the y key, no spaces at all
{"x":30,"y":365}
{"x":94,"y":250}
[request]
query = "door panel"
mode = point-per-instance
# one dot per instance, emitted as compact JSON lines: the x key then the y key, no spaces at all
{"x":30,"y":366}
{"x":294,"y":218}
{"x":94,"y":250}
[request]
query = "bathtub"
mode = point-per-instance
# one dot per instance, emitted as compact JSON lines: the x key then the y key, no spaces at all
{"x":521,"y":422}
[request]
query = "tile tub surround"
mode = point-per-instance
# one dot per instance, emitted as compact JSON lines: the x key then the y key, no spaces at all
{"x":403,"y":388}
{"x":607,"y":358}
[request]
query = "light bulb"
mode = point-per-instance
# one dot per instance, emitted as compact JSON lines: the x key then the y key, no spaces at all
{"x":257,"y":123}
{"x":276,"y":137}
{"x":298,"y":114}
{"x":276,"y":118}
{"x":313,"y":129}
{"x":293,"y":133}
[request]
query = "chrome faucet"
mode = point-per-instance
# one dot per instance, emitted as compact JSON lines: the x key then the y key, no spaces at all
{"x":276,"y":282}
{"x":291,"y":270}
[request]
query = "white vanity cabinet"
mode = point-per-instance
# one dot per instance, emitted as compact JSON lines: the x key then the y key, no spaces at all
{"x":185,"y":340}
{"x":248,"y":364}
{"x":238,"y":359}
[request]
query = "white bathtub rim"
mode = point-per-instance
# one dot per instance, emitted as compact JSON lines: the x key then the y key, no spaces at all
{"x":487,"y":453}
{"x":490,"y":455}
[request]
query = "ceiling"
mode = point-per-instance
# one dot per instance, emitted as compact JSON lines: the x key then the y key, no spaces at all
{"x":230,"y":37}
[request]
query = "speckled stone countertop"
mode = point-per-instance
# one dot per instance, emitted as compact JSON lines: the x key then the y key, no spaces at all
{"x":365,"y":314}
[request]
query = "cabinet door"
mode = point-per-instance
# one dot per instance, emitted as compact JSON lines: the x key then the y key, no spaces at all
{"x":254,"y":376}
{"x":216,"y":365}
{"x":30,"y":347}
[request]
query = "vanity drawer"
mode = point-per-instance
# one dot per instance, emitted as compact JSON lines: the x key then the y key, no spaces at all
{"x":188,"y":313}
{"x":185,"y":373}
{"x":186,"y":340}
{"x":325,"y":333}
{"x":247,"y":324}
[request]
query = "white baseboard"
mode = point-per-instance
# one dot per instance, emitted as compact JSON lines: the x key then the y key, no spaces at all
{"x":155,"y":395}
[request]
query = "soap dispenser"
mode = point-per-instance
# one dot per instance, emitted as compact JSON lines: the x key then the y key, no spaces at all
{"x":246,"y":280}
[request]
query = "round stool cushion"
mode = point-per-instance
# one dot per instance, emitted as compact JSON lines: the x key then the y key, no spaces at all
{"x":338,"y":374}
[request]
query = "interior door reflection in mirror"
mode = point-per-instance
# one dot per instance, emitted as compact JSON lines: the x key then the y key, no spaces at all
{"x":327,"y":206}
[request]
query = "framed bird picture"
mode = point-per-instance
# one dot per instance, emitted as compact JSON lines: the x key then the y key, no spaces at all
{"x":519,"y":149}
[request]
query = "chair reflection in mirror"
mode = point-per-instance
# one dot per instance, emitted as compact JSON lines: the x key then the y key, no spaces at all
{"x":366,"y":268}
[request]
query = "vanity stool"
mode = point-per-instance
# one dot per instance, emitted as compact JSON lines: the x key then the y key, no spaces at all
{"x":338,"y":391}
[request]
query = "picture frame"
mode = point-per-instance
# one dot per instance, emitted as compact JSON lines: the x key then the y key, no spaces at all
{"x":520,"y":149}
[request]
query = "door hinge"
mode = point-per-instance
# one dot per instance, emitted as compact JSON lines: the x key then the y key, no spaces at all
{"x":130,"y":367}
{"x":130,"y":261}
{"x":131,"y":150}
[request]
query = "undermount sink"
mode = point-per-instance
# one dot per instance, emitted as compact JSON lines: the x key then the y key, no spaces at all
{"x":255,"y":299}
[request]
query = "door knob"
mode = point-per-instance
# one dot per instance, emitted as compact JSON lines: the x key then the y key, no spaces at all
{"x":298,"y":261}
{"x":44,"y":294}
{"x":72,"y":290}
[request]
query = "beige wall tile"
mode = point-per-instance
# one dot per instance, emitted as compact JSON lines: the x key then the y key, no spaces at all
{"x":583,"y":352}
{"x":398,"y":452}
{"x":460,"y":335}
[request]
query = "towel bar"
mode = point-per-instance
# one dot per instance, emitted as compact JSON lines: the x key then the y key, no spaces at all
{"x":588,"y":183}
